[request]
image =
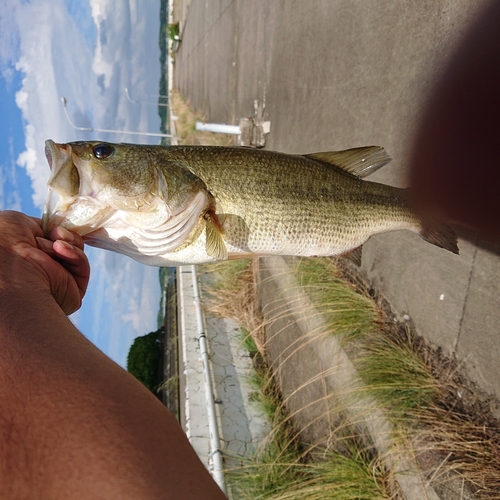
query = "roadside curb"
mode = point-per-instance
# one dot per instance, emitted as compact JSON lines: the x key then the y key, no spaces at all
{"x":322,"y":359}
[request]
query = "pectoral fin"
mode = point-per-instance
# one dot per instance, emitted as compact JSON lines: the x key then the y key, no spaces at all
{"x":215,"y":245}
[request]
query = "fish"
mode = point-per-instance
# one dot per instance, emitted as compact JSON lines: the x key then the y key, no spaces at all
{"x":177,"y":205}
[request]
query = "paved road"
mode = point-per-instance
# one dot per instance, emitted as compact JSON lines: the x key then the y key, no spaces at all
{"x":340,"y":74}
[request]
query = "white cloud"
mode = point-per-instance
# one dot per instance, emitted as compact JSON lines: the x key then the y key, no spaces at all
{"x":21,"y":97}
{"x":28,"y":158}
{"x":100,"y":9}
{"x":49,"y":68}
{"x":57,"y":59}
{"x":101,"y":67}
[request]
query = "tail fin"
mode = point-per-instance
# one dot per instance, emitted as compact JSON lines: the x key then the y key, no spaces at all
{"x":440,"y":235}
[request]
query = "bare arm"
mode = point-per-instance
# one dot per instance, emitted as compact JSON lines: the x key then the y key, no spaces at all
{"x":73,"y":424}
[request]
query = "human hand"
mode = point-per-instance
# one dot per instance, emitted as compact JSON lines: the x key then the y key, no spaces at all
{"x":32,"y":263}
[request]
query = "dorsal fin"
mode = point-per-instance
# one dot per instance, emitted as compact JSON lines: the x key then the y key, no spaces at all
{"x":360,"y":162}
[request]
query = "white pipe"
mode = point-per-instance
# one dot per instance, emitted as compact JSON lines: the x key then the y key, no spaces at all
{"x":215,"y":452}
{"x":219,"y":128}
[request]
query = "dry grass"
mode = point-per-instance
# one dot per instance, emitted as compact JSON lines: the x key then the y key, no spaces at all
{"x":230,"y":293}
{"x":185,"y":125}
{"x":458,"y":453}
{"x":457,"y":449}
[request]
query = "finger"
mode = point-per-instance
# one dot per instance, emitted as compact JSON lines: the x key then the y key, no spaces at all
{"x":72,"y":258}
{"x":66,"y":273}
{"x":46,"y":246}
{"x":61,"y":233}
{"x":75,"y":261}
{"x":34,"y":223}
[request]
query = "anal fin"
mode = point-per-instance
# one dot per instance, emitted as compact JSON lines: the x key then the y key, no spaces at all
{"x":354,"y":255}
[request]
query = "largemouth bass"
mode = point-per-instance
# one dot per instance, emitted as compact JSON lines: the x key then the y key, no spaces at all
{"x":175,"y":205}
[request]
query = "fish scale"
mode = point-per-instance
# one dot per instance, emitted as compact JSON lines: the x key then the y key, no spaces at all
{"x":304,"y":203}
{"x":249,"y":202}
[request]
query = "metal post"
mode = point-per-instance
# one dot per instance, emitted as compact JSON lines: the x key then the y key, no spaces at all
{"x":90,"y":129}
{"x":164,"y":104}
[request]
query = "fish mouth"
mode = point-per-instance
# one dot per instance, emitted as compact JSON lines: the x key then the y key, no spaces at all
{"x":58,"y":157}
{"x":48,"y":152}
{"x":48,"y":155}
{"x":71,"y":200}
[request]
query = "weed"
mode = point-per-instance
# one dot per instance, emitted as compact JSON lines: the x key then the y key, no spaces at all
{"x":458,"y":454}
{"x":185,"y":122}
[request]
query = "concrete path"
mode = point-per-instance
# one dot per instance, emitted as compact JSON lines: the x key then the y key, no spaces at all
{"x":340,"y":74}
{"x":241,"y":426}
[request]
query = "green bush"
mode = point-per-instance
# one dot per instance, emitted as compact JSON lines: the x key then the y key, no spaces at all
{"x":145,"y":358}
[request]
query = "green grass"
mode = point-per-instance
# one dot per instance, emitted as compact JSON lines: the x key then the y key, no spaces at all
{"x":346,"y":312}
{"x":277,"y":464}
{"x":281,"y":469}
{"x":396,"y":376}
{"x":340,"y":477}
{"x":173,"y":30}
{"x":225,"y":276}
{"x":248,"y":342}
{"x":397,"y":371}
{"x":229,"y":292}
{"x":388,"y":365}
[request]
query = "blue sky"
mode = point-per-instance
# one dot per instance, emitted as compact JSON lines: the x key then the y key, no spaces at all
{"x":87,"y":51}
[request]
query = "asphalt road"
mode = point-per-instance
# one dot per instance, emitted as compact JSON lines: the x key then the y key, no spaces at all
{"x":340,"y":74}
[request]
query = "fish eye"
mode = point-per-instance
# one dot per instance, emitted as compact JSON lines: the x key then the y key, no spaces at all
{"x":103,"y":150}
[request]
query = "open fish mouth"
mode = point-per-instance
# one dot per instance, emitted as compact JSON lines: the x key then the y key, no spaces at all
{"x":60,"y":184}
{"x":51,"y":197}
{"x":48,"y":154}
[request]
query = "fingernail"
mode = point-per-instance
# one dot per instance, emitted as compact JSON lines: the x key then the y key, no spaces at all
{"x":65,"y":244}
{"x":44,"y":244}
{"x":67,"y":234}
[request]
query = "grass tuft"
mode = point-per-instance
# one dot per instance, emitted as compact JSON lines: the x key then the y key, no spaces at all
{"x":185,"y":124}
{"x":230,"y":291}
{"x":347,"y":313}
{"x":281,"y":470}
{"x":396,"y":376}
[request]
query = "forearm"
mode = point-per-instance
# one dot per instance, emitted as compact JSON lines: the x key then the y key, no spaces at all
{"x":73,"y":424}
